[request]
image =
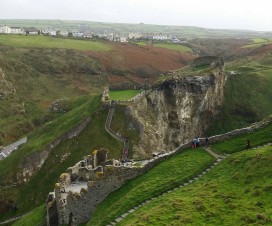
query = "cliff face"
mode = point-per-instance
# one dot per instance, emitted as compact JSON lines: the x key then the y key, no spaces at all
{"x":177,"y":111}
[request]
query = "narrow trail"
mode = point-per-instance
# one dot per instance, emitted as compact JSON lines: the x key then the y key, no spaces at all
{"x":115,"y":135}
{"x":218,"y":158}
{"x":14,"y":218}
{"x":208,"y":149}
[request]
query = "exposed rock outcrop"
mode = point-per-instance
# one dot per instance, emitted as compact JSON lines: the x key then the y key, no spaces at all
{"x":178,"y":110}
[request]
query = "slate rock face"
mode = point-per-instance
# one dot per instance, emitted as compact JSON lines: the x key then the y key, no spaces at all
{"x":177,"y":111}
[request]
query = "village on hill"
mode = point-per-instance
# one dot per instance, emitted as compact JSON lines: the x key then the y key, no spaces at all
{"x":114,"y":37}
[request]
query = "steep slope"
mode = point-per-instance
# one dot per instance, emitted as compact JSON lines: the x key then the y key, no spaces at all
{"x":178,"y":110}
{"x":236,"y":192}
{"x":247,"y":95}
{"x":34,"y":78}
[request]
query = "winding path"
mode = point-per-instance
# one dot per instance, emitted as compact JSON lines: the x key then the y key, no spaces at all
{"x":115,"y":135}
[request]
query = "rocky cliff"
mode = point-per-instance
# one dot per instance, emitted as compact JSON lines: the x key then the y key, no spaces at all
{"x":178,"y":110}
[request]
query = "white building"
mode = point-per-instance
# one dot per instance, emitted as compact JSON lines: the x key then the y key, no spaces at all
{"x":134,"y":35}
{"x":160,"y":37}
{"x":5,"y":29}
{"x":123,"y":39}
{"x":64,"y":33}
{"x":16,"y":30}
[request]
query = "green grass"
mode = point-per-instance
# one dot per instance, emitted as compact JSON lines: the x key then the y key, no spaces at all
{"x":176,"y":47}
{"x":236,"y":192}
{"x":165,"y":175}
{"x":92,"y":138}
{"x":123,"y":94}
{"x":39,"y":77}
{"x":247,"y":95}
{"x":257,"y":42}
{"x":37,"y":41}
{"x":34,"y":193}
{"x":235,"y":144}
{"x":37,"y":216}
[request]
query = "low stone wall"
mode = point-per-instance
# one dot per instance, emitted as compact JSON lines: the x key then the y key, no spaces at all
{"x":34,"y":162}
{"x":81,"y":205}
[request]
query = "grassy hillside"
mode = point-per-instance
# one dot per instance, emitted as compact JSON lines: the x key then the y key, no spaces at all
{"x":236,"y":192}
{"x":39,"y":77}
{"x":94,"y":136}
{"x":257,"y":138}
{"x":164,"y":176}
{"x":36,"y":217}
{"x":37,"y":41}
{"x":247,"y":95}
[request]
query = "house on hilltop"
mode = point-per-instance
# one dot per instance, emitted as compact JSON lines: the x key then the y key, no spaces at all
{"x":17,"y":30}
{"x":5,"y":30}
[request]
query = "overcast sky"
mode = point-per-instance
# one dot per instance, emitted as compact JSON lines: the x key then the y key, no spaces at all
{"x":229,"y":14}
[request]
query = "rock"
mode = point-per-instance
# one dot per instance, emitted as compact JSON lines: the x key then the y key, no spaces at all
{"x":178,"y":110}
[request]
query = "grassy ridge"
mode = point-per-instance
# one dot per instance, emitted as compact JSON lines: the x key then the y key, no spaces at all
{"x":236,"y":192}
{"x":164,"y":176}
{"x":247,"y":95}
{"x":50,"y":42}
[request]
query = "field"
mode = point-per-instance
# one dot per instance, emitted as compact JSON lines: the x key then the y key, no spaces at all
{"x":24,"y":41}
{"x":235,"y":192}
{"x":123,"y":94}
{"x":166,"y":175}
{"x":257,"y":42}
{"x":176,"y":47}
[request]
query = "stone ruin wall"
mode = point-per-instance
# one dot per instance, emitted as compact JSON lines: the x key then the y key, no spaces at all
{"x":83,"y":204}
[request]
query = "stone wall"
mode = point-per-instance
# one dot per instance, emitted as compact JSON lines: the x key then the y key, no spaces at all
{"x":33,"y":162}
{"x":81,"y":205}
